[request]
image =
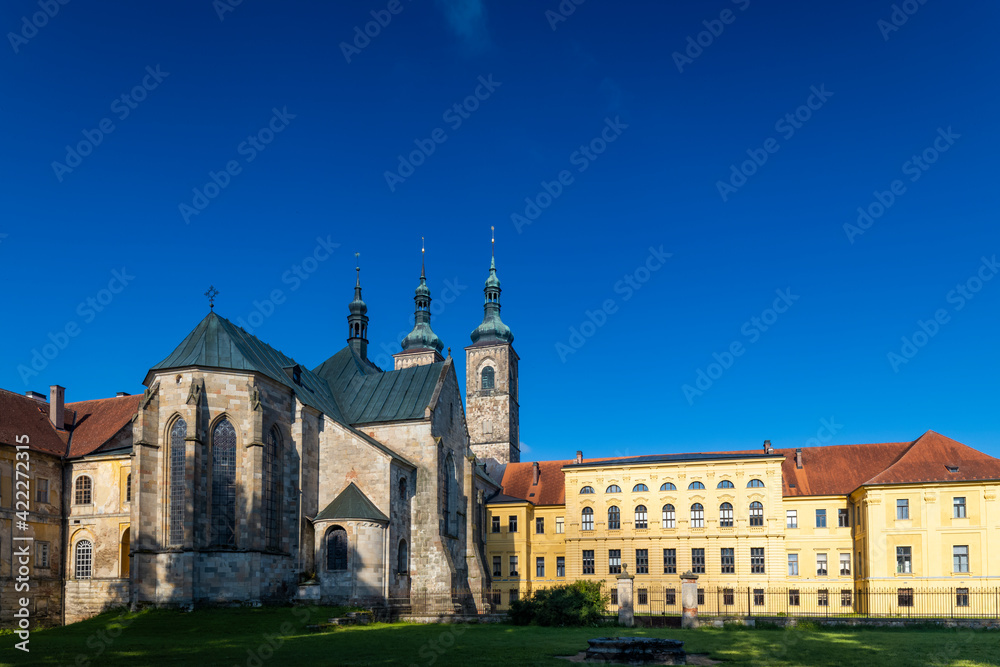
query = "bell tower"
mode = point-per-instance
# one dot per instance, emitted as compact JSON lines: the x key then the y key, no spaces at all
{"x":491,"y":383}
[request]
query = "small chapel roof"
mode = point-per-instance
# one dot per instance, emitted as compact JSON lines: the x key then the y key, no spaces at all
{"x":352,"y":503}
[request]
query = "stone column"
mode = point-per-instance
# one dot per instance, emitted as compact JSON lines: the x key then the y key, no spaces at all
{"x":625,"y":582}
{"x":689,"y":600}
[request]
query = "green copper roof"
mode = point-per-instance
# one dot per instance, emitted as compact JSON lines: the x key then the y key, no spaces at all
{"x":352,"y":504}
{"x":422,"y":337}
{"x":492,"y":330}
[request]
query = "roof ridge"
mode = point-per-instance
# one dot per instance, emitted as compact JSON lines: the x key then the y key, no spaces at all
{"x":899,"y":458}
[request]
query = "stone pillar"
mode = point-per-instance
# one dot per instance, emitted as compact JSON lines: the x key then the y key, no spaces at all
{"x":689,"y":600}
{"x":625,"y":582}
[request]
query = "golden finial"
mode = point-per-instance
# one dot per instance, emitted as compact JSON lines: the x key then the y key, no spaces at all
{"x":422,"y":251}
{"x":357,"y":267}
{"x":493,"y":241}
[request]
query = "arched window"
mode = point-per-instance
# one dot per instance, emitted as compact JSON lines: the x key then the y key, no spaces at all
{"x":224,"y":484}
{"x":83,"y":490}
{"x":487,"y":379}
{"x":404,"y":558}
{"x":755,"y":484}
{"x":669,"y":516}
{"x":726,"y":515}
{"x":450,"y":496}
{"x":726,"y":484}
{"x":693,"y":486}
{"x":402,"y":488}
{"x":756,"y":514}
{"x":178,"y":485}
{"x":639,"y":488}
{"x":614,"y":488}
{"x":640,"y":517}
{"x":128,"y":488}
{"x":587,"y":489}
{"x":336,"y":549}
{"x":123,"y":566}
{"x":587,"y":519}
{"x":614,"y":518}
{"x":697,"y":516}
{"x":84,"y":559}
{"x":668,"y":486}
{"x":272,"y":487}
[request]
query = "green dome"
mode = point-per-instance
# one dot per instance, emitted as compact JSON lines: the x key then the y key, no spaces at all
{"x":492,"y":329}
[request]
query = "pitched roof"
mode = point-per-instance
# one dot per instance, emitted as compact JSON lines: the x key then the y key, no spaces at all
{"x":98,"y":421}
{"x":929,"y":458}
{"x":20,"y":416}
{"x":835,"y":470}
{"x":351,"y":503}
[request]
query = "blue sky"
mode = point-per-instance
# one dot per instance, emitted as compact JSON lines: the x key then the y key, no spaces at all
{"x":658,"y":177}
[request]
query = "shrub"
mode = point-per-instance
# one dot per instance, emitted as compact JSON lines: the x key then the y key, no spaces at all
{"x":579,"y":603}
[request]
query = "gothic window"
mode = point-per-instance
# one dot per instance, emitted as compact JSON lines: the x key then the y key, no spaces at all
{"x":639,"y":488}
{"x":84,"y":488}
{"x":755,"y":484}
{"x":614,"y":488}
{"x":404,"y":558}
{"x":487,"y":427}
{"x":336,"y":549}
{"x":640,"y":517}
{"x":726,"y":515}
{"x":614,"y":518}
{"x":272,"y":487}
{"x":668,"y":486}
{"x":177,"y":483}
{"x":587,"y":520}
{"x":450,"y":496}
{"x":487,"y":379}
{"x":694,"y":486}
{"x":725,"y":484}
{"x":402,"y":488}
{"x":756,"y":514}
{"x":224,"y":484}
{"x":84,"y":559}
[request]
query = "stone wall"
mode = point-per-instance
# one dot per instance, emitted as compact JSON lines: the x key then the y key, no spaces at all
{"x":494,"y":431}
{"x":88,"y":597}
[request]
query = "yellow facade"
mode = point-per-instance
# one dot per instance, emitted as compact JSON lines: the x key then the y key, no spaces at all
{"x":528,"y":542}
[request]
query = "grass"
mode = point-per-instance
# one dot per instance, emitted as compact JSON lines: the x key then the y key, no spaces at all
{"x":277,"y":636}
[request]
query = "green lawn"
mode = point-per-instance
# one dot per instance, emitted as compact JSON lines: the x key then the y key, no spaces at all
{"x":277,"y":636}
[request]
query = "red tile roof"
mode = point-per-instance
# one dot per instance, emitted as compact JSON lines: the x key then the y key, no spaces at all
{"x":20,"y":415}
{"x":98,"y":421}
{"x":835,"y":470}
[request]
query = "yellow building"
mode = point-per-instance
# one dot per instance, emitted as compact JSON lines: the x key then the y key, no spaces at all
{"x":814,"y":528}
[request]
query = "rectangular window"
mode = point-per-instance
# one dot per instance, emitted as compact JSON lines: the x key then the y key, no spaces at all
{"x":793,"y":597}
{"x":821,"y":518}
{"x":728,"y":597}
{"x":960,"y":555}
{"x":560,"y":525}
{"x":588,"y":561}
{"x":791,"y":519}
{"x":823,"y":598}
{"x":513,"y":566}
{"x":904,"y":597}
{"x":512,"y":524}
{"x":514,"y":595}
{"x":961,"y":597}
{"x":495,"y":595}
{"x":757,"y":560}
{"x":614,"y":596}
{"x":845,"y":565}
{"x":540,"y":526}
{"x":496,"y":566}
{"x":670,"y":561}
{"x":758,"y":597}
{"x":902,"y":508}
{"x":560,"y":566}
{"x":904,"y":562}
{"x":820,"y":565}
{"x":614,"y":561}
{"x":642,"y":561}
{"x":670,"y":596}
{"x":540,"y":566}
{"x":495,"y":523}
{"x":701,"y":596}
{"x":843,"y":518}
{"x":959,"y":504}
{"x":793,"y":565}
{"x":642,"y":596}
{"x":845,"y":597}
{"x":728,"y":561}
{"x":698,"y":561}
{"x":41,"y":554}
{"x":41,"y":490}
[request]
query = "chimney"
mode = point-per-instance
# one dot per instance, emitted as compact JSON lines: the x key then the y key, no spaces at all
{"x":768,"y":449}
{"x":579,"y":456}
{"x":36,"y":395}
{"x":798,"y":458}
{"x":122,"y":393}
{"x":534,"y":473}
{"x":57,"y":395}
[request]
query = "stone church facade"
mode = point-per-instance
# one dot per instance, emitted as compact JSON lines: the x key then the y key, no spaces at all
{"x":241,"y":476}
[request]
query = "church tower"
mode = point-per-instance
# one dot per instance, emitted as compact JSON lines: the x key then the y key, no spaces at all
{"x":491,"y":388}
{"x":357,"y":321}
{"x":421,"y":346}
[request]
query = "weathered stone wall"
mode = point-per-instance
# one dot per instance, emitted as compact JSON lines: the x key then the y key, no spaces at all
{"x":408,"y":359}
{"x":88,"y":597}
{"x":364,"y":579}
{"x":493,"y":418}
{"x":400,"y":528}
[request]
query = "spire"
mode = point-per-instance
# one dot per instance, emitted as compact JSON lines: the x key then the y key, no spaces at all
{"x":422,"y":336}
{"x":492,"y":329}
{"x":357,"y":321}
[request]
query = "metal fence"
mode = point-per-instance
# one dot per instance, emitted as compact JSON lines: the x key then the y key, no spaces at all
{"x":904,"y":602}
